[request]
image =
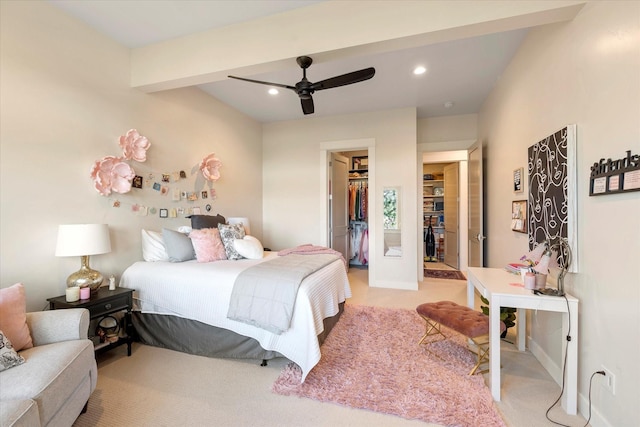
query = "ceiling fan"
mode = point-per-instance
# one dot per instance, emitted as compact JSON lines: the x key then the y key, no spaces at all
{"x":304,"y":88}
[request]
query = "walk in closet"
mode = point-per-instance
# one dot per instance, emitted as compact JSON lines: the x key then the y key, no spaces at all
{"x":440,"y":211}
{"x":433,"y":212}
{"x":358,"y":208}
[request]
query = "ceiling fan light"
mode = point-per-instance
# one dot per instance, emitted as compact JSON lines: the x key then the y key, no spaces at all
{"x":419,"y":70}
{"x":273,"y":91}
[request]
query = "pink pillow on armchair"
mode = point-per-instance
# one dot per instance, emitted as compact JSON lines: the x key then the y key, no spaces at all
{"x":208,"y":245}
{"x":13,"y":316}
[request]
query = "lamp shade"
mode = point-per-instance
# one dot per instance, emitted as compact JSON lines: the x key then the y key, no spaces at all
{"x":83,"y":239}
{"x":543,"y":266}
{"x":243,"y":221}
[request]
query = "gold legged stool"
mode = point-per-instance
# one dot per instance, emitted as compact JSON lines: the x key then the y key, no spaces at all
{"x":470,"y":323}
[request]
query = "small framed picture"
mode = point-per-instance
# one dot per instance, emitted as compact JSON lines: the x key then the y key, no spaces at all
{"x":519,"y":216}
{"x":518,"y":184}
{"x":164,"y":213}
{"x":137,"y":182}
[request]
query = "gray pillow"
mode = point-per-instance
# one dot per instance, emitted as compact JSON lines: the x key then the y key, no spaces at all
{"x":229,"y":233}
{"x":179,"y":246}
{"x":199,"y":222}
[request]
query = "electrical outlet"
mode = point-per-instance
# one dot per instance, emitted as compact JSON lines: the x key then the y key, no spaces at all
{"x":609,"y":381}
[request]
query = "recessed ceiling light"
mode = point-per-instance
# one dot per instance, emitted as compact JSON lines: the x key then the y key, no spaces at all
{"x":419,"y":70}
{"x":448,"y":104}
{"x":273,"y":91}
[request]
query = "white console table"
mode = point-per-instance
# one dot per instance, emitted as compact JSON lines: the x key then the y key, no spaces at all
{"x":495,"y":285}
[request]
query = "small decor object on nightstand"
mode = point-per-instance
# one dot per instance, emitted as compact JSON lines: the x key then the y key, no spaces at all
{"x":112,"y":283}
{"x":72,"y":294}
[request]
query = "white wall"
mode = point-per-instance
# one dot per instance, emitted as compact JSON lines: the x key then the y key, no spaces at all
{"x":65,"y":101}
{"x":586,"y":72}
{"x":463,"y":127}
{"x":291,"y":171}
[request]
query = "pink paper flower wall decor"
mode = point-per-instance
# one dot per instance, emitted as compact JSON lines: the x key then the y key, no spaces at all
{"x":134,"y":146}
{"x":210,"y":166}
{"x":112,"y":174}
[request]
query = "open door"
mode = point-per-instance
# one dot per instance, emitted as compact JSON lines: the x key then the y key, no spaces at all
{"x":476,"y":229}
{"x":339,"y":204}
{"x":451,"y":222}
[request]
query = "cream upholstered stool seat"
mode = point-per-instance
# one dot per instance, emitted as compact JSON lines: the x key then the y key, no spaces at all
{"x":464,"y":320}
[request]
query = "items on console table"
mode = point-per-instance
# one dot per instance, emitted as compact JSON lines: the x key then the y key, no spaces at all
{"x":101,"y":304}
{"x":515,"y":267}
{"x":495,"y":284}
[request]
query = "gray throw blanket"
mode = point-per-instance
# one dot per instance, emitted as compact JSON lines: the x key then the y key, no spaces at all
{"x":264,"y":295}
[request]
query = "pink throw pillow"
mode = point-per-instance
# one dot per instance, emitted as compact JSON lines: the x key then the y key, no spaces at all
{"x":13,"y":316}
{"x":208,"y":245}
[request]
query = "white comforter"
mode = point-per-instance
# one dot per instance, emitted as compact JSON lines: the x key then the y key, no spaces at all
{"x":202,"y":291}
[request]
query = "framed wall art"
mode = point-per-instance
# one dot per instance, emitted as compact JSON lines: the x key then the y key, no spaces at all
{"x":519,"y":216}
{"x":518,"y":183}
{"x":552,"y":195}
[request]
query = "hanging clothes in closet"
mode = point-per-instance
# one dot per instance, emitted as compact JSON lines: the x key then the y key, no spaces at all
{"x":359,"y":243}
{"x":358,"y":213}
{"x":358,"y":201}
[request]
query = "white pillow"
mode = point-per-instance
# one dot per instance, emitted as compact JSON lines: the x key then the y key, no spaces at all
{"x":249,"y":247}
{"x":153,"y":248}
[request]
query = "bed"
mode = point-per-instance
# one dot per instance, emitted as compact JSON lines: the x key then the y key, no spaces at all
{"x":183,"y":306}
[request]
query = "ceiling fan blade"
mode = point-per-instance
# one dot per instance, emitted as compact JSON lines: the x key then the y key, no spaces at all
{"x":344,"y":79}
{"x":307,"y":105}
{"x":263,"y":83}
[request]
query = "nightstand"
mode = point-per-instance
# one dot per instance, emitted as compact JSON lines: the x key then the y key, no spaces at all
{"x":100,"y":304}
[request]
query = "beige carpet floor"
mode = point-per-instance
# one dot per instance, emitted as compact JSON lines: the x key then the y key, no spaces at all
{"x":158,"y":387}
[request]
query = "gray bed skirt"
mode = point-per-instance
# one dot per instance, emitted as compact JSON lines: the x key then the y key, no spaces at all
{"x":193,"y":337}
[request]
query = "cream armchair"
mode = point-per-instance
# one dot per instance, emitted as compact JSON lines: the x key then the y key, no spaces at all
{"x":53,"y":385}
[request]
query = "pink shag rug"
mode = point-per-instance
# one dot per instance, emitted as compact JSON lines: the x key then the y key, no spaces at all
{"x":372,"y":360}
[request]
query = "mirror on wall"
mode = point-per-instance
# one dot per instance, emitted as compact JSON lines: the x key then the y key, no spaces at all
{"x":391,"y":221}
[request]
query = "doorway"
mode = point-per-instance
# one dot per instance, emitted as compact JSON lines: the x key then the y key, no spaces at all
{"x":349,"y":206}
{"x":455,"y":184}
{"x":366,"y":145}
{"x":441,"y":215}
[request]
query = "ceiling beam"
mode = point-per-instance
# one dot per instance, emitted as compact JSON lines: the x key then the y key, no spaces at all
{"x":330,"y":30}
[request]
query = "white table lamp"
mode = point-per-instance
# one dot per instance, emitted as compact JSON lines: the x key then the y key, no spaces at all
{"x":84,"y":240}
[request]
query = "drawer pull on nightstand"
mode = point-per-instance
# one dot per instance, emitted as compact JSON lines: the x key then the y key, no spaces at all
{"x":107,"y":306}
